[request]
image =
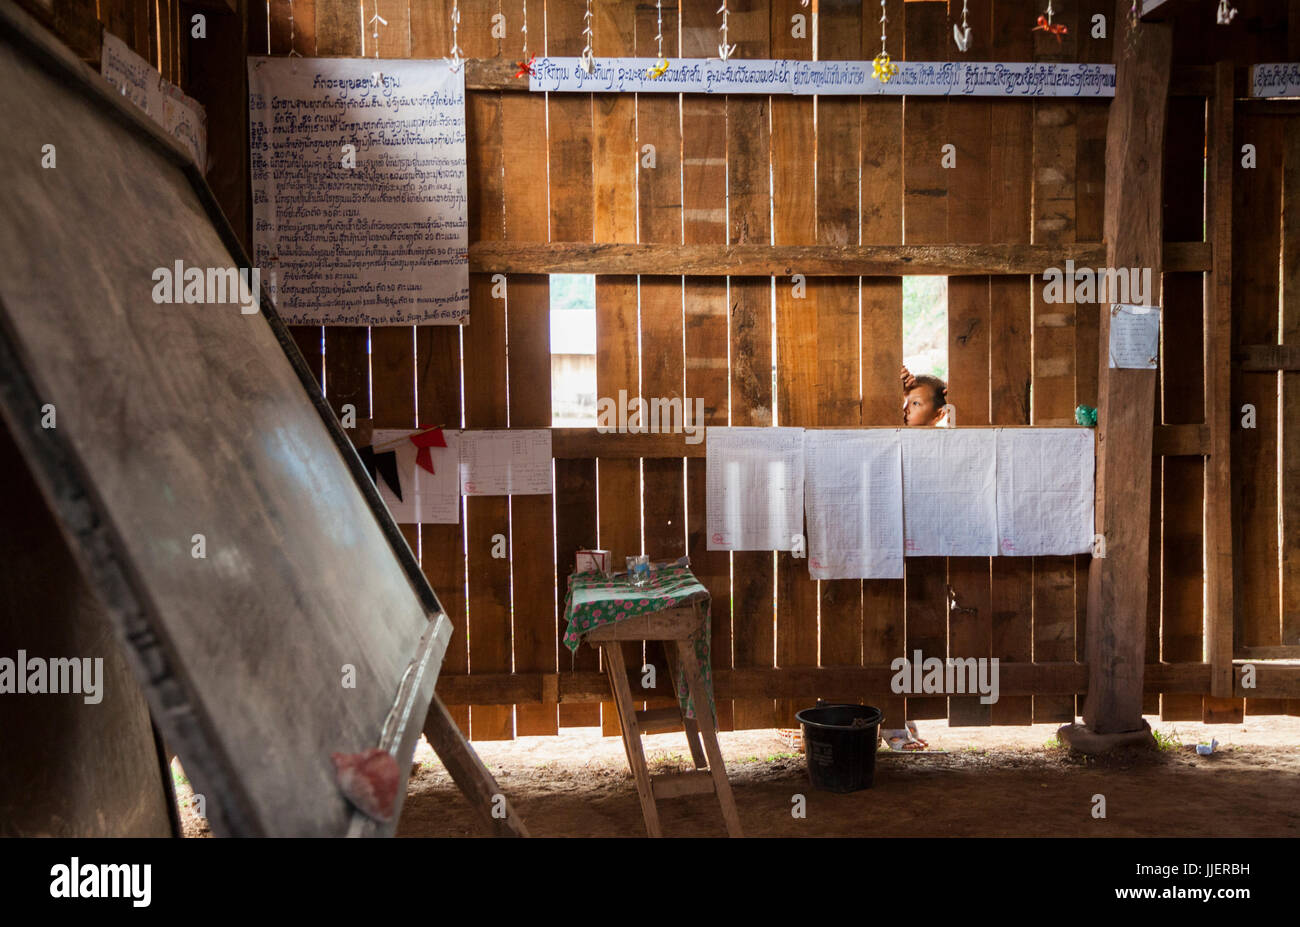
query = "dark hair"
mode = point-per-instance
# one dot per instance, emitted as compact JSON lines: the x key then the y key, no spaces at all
{"x":938,"y":389}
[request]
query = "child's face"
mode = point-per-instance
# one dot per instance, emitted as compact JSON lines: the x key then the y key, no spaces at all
{"x":919,"y":408}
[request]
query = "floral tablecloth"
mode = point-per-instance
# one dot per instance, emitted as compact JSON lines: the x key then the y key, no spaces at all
{"x":595,"y":599}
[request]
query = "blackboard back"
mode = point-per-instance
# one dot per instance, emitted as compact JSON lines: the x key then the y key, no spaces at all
{"x":176,"y":420}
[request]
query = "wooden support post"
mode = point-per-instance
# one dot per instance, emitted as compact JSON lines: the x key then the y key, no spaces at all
{"x":1117,"y":586}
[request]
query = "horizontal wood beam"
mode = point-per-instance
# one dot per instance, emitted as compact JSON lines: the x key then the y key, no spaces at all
{"x":493,"y":74}
{"x":1268,"y":358}
{"x":1275,"y":681}
{"x":1270,"y":652}
{"x":1181,"y":257}
{"x":810,"y":260}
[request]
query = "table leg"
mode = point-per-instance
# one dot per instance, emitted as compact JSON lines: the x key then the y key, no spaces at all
{"x":632,"y":736}
{"x":708,"y":730}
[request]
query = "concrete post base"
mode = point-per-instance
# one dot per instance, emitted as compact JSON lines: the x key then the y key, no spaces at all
{"x":1078,"y":737}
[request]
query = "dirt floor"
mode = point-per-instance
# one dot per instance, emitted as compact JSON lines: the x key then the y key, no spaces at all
{"x":993,"y":781}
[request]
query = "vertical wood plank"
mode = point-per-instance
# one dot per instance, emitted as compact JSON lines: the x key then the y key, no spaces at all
{"x":571,"y":203}
{"x":614,"y":167}
{"x":1183,"y":402}
{"x":704,"y":221}
{"x":1289,"y":459}
{"x":794,"y":214}
{"x":747,"y":308}
{"x":528,"y":327}
{"x":442,"y":547}
{"x":1011,"y":340}
{"x":839,"y":351}
{"x":1219,"y":405}
{"x":970,"y":209}
{"x":925,"y":221}
{"x":1256,"y":242}
{"x":1055,"y":158}
{"x":659,"y":215}
{"x":881,"y":221}
{"x":486,"y":397}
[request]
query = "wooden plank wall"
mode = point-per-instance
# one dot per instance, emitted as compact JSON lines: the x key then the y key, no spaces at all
{"x":784,"y":170}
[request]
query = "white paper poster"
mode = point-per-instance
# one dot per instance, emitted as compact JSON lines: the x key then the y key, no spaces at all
{"x":949,"y":492}
{"x":516,"y":462}
{"x":755,"y":481}
{"x":180,"y":116}
{"x":1015,"y":79}
{"x":359,"y":196}
{"x":427,"y":498}
{"x":853,"y":494}
{"x":1134,"y":336}
{"x":1045,"y":491}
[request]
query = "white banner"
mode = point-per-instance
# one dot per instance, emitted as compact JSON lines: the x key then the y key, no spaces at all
{"x":827,"y":78}
{"x":1275,"y":80}
{"x":359,"y":202}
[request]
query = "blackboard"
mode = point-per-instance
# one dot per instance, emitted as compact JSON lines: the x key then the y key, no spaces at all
{"x":175,"y":420}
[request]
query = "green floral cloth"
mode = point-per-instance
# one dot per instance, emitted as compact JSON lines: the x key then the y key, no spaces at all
{"x":595,"y":599}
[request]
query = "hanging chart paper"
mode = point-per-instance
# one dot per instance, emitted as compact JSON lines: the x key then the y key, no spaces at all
{"x":1045,"y":491}
{"x":427,"y":498}
{"x":516,"y":462}
{"x":853,"y":495}
{"x":359,"y":195}
{"x":754,"y":494}
{"x":949,"y":492}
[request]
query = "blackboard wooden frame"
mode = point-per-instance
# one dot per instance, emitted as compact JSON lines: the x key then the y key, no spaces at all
{"x":100,"y":551}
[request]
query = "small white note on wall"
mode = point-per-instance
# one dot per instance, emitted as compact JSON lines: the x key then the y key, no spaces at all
{"x":1134,"y":336}
{"x":1045,"y":491}
{"x":754,"y":495}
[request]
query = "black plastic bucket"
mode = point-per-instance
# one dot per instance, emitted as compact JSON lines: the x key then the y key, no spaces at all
{"x":841,"y":757}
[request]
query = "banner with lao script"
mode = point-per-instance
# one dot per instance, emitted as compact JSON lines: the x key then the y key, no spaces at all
{"x":1275,"y":80}
{"x":359,"y":189}
{"x":825,"y":78}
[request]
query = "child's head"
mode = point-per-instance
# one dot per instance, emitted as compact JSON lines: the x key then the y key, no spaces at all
{"x":923,"y":399}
